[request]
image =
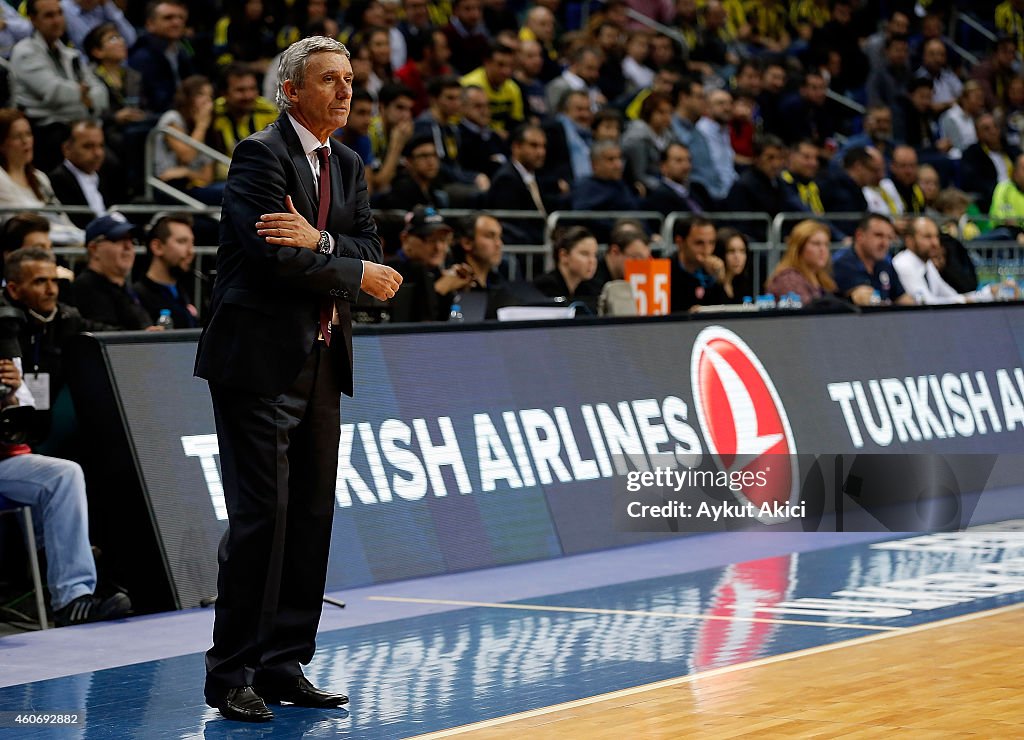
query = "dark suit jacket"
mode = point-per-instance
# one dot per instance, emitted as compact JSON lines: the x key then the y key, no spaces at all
{"x":69,"y":192}
{"x":978,"y":174}
{"x":264,"y":312}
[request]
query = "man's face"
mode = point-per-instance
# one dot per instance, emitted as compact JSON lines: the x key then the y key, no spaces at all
{"x":904,"y":166}
{"x":322,"y":103}
{"x":240,"y":95}
{"x":928,"y":180}
{"x":486,"y":244}
{"x":898,"y":53}
{"x":921,"y":99}
{"x":469,"y":12}
{"x":988,"y":132}
{"x":441,"y":51}
{"x":879,"y":124}
{"x":429,"y":250}
{"x":695,"y":104}
{"x":608,"y":165}
{"x":771,"y":161}
{"x":661,"y":118}
{"x":720,"y":107}
{"x":925,"y":241}
{"x":934,"y":58}
{"x":803,"y":161}
{"x":423,"y":162}
{"x":178,"y":251}
{"x":974,"y":101}
{"x":872,"y":242}
{"x":529,"y":58}
{"x":168,"y":22}
{"x":542,"y":23}
{"x":749,"y":80}
{"x":532,"y":151}
{"x":85,"y":150}
{"x":1005,"y":55}
{"x":588,"y":68}
{"x":37,"y":289}
{"x":449,"y":102}
{"x":774,"y":79}
{"x":397,"y":111}
{"x":359,"y":118}
{"x":813,"y":90}
{"x":699,"y":244}
{"x":876,"y":168}
{"x":476,"y":109}
{"x":677,"y":165}
{"x":577,"y":109}
{"x":662,"y":51}
{"x":49,"y":19}
{"x":417,"y":13}
{"x":616,"y":258}
{"x":498,"y":69}
{"x":899,"y":23}
{"x":114,"y":259}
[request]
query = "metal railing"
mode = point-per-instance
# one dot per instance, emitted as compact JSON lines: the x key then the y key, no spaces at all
{"x":153,"y":182}
{"x":961,"y":17}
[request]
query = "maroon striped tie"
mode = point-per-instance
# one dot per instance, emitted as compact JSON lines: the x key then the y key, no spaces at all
{"x":327,"y":305}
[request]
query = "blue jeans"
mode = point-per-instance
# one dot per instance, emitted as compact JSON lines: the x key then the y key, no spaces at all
{"x":55,"y":489}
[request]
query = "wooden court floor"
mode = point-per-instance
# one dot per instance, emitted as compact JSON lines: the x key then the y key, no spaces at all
{"x":960,"y":677}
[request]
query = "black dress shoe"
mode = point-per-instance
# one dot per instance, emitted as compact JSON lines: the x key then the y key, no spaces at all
{"x":244,"y":705}
{"x":301,"y":693}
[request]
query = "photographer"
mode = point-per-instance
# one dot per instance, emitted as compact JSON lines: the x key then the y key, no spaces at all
{"x":55,"y":489}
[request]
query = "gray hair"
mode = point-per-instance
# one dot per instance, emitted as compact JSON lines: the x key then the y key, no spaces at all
{"x":296,"y":57}
{"x":14,"y":261}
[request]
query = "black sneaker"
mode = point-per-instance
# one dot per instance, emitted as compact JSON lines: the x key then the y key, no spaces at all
{"x":92,"y":608}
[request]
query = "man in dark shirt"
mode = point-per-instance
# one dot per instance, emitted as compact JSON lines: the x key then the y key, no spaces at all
{"x":172,"y":248}
{"x":866,"y":267}
{"x":101,"y":292}
{"x":626,"y":242}
{"x":695,"y":267}
{"x":481,"y":243}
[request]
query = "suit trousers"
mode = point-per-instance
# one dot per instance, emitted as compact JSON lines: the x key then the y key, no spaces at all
{"x":279,"y":460}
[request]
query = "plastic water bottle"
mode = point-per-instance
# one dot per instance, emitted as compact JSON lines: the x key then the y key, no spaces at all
{"x":765,"y":302}
{"x":165,"y":321}
{"x":455,"y":315}
{"x":876,"y":298}
{"x":748,"y":302}
{"x":1007,"y":289}
{"x":794,"y":301}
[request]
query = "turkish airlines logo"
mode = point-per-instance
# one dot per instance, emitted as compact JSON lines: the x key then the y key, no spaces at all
{"x":742,"y":417}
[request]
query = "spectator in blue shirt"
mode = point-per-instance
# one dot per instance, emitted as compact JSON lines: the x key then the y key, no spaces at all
{"x":866,"y":267}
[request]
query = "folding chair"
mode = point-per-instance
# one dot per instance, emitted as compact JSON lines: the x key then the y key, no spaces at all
{"x":13,"y":507}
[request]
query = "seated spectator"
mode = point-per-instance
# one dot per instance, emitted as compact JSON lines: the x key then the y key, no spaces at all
{"x":504,"y":97}
{"x":526,"y":73}
{"x":176,"y":162}
{"x":107,"y":51}
{"x":82,"y":16}
{"x":957,"y":123}
{"x":171,"y":246}
{"x":539,"y":28}
{"x":953,"y":204}
{"x":427,"y":288}
{"x":569,"y":140}
{"x":605,"y":190}
{"x":675,"y":190}
{"x":761,"y":188}
{"x":910,"y":198}
{"x":736,"y":282}
{"x":804,"y":114}
{"x":887,"y":82}
{"x":930,"y":184}
{"x":245,"y":36}
{"x":418,"y":182}
{"x":627,"y":241}
{"x":515,"y":185}
{"x":714,"y":127}
{"x":690,"y":107}
{"x":1008,"y":197}
{"x":162,"y":42}
{"x":50,"y":83}
{"x":916,"y":123}
{"x":695,"y":268}
{"x":946,"y":86}
{"x":646,"y":139}
{"x":865,"y":269}
{"x":32,"y":230}
{"x":55,"y":489}
{"x":82,"y":179}
{"x":986,"y":163}
{"x":356,"y":134}
{"x":428,"y":58}
{"x":481,"y":244}
{"x":634,"y":62}
{"x":843,"y":192}
{"x":996,"y":71}
{"x":480,"y":148}
{"x":390,"y":131}
{"x":21,"y":184}
{"x":919,"y":275}
{"x":805,"y":267}
{"x":440,"y":123}
{"x":575,"y":265}
{"x":803,"y":193}
{"x":468,"y":37}
{"x":607,"y":125}
{"x":582,"y":75}
{"x":878,"y":123}
{"x":239,"y":112}
{"x":102,"y":292}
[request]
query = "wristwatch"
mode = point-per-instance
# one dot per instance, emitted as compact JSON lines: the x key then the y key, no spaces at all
{"x":324,"y":245}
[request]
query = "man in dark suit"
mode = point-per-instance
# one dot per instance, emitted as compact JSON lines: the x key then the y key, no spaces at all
{"x":979,"y":173}
{"x":677,"y":192}
{"x":515,"y":185}
{"x":297,"y":235}
{"x":81,"y":179}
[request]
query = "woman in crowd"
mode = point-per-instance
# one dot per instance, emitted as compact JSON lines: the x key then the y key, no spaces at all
{"x":736,"y":282}
{"x":805,"y":268}
{"x":575,"y":264}
{"x":22,"y":186}
{"x":176,"y":162}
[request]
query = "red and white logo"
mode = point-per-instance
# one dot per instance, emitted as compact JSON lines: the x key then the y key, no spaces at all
{"x":742,"y":417}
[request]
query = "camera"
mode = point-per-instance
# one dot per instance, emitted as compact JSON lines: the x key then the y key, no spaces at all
{"x":11,"y":320}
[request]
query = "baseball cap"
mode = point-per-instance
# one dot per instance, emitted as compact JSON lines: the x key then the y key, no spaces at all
{"x":422,"y":221}
{"x":112,"y":226}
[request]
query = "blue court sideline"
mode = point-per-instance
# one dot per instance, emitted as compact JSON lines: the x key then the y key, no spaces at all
{"x":437,"y":653}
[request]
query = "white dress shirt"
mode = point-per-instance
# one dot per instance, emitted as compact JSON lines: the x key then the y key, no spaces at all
{"x":90,"y":185}
{"x":922,"y":281}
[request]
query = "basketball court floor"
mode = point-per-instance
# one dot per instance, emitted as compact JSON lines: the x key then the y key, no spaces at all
{"x":724,"y":635}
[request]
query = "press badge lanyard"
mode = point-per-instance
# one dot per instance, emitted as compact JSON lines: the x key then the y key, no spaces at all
{"x":38,"y":383}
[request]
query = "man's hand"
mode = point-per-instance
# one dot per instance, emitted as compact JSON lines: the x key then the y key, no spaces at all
{"x":456,"y":277}
{"x":288,"y":229}
{"x":380,"y":281}
{"x":715,"y":267}
{"x":10,"y":377}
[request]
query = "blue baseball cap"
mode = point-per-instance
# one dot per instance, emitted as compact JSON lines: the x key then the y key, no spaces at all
{"x":113,"y":226}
